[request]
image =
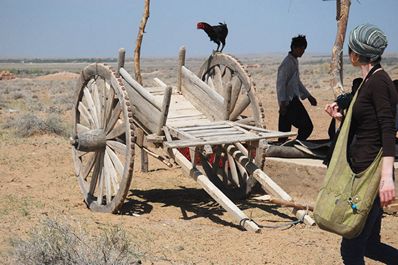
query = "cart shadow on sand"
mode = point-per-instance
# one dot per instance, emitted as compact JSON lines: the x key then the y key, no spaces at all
{"x":197,"y":204}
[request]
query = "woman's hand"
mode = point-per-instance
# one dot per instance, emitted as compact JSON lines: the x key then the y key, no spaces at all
{"x":387,"y":185}
{"x":333,"y":111}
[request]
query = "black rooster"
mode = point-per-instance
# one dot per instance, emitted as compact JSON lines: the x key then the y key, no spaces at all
{"x":217,"y":33}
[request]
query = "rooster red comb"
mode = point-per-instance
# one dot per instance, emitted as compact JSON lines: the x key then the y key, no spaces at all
{"x":201,"y":25}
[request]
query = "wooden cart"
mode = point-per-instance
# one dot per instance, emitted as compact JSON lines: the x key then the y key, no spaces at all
{"x":215,"y":116}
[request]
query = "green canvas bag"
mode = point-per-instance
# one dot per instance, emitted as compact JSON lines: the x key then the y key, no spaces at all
{"x":345,"y":199}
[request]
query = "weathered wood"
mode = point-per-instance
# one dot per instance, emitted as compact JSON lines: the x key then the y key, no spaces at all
{"x":91,"y":141}
{"x":165,"y":109}
{"x":91,"y":107}
{"x":210,"y":141}
{"x":81,"y":128}
{"x":140,"y":36}
{"x":143,"y":93}
{"x":85,"y":170}
{"x":181,"y":63}
{"x":217,"y":80}
{"x":109,"y":95}
{"x":160,"y":82}
{"x":95,"y":175}
{"x":285,"y":203}
{"x":213,"y":125}
{"x":240,"y":107}
{"x":105,"y":170}
{"x":85,"y":114}
{"x":117,"y":130}
{"x":206,"y":132}
{"x":115,"y":161}
{"x":146,"y":114}
{"x":108,"y":179}
{"x":99,"y":107}
{"x":214,"y":192}
{"x":226,"y":69}
{"x":232,"y":168}
{"x":227,"y":101}
{"x":266,"y":182}
{"x":336,"y":65}
{"x":114,"y":117}
{"x":202,"y":97}
{"x":120,"y":60}
{"x":236,"y":88}
{"x":119,"y":147}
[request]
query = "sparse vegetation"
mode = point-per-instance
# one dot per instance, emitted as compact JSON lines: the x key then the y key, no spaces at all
{"x":30,"y":124}
{"x":54,"y":242}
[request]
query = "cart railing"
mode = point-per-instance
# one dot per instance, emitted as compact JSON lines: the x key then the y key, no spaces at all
{"x":148,"y":112}
{"x":203,"y":97}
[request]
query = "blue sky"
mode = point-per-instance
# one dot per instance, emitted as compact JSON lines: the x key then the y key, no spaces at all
{"x":98,"y":28}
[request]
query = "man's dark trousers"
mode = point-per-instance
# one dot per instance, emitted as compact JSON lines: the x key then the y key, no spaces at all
{"x":297,"y":116}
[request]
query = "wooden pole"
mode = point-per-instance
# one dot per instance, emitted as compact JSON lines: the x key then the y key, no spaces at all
{"x":266,"y":182}
{"x":181,"y":63}
{"x":336,"y":65}
{"x":190,"y":170}
{"x":120,"y":60}
{"x":137,"y":51}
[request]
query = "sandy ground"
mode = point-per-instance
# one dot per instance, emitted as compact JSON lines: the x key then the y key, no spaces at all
{"x":170,"y":218}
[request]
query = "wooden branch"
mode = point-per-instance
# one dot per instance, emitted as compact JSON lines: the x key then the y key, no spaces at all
{"x":137,"y":51}
{"x":336,"y":65}
{"x":285,"y":203}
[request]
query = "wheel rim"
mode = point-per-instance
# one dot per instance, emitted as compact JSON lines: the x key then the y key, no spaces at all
{"x":220,"y":70}
{"x":103,"y":146}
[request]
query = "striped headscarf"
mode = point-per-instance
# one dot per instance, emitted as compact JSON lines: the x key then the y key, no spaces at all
{"x":368,"y":40}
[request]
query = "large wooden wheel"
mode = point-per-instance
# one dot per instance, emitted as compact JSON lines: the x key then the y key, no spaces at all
{"x":221,"y":70}
{"x":103,"y":140}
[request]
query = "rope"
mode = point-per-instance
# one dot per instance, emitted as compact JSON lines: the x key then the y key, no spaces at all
{"x":288,"y":224}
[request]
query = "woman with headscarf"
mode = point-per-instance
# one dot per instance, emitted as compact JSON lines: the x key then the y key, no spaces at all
{"x":372,"y":127}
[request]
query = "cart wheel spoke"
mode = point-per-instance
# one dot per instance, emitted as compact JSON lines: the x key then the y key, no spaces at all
{"x":114,"y":117}
{"x":91,"y":106}
{"x":109,"y":99}
{"x":81,"y":128}
{"x":116,"y":161}
{"x":88,"y":166}
{"x":117,"y":130}
{"x":96,"y":174}
{"x":240,"y":107}
{"x":86,"y":115}
{"x":113,"y":177}
{"x":211,"y":83}
{"x":217,"y":79}
{"x":233,"y":170}
{"x":120,"y":148}
{"x":100,"y":188}
{"x":99,"y":107}
{"x":236,"y":86}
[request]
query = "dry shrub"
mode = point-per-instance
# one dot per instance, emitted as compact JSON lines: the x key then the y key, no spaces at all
{"x":58,"y":243}
{"x":30,"y":124}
